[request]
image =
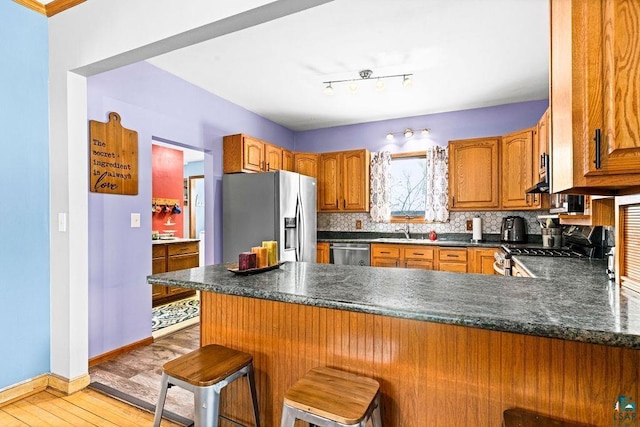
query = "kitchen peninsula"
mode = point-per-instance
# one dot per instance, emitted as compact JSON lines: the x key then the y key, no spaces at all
{"x":447,"y":348}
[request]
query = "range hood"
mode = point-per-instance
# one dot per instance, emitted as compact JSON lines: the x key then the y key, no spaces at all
{"x":543,"y":185}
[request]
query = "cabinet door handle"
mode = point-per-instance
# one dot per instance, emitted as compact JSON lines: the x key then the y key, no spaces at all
{"x":417,"y":253}
{"x":452,"y":255}
{"x":453,"y":201}
{"x":597,"y":140}
{"x":268,"y":167}
{"x":382,"y":252}
{"x":344,"y":203}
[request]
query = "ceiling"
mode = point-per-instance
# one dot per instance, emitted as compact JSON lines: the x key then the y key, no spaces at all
{"x":463,"y":54}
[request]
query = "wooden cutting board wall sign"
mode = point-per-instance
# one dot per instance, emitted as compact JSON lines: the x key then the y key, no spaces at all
{"x":113,"y":157}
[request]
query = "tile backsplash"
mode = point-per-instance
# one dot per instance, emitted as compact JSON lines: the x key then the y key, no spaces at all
{"x":491,"y":222}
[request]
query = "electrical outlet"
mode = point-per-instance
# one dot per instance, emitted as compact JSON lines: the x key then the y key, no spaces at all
{"x":358,"y":224}
{"x":469,"y":224}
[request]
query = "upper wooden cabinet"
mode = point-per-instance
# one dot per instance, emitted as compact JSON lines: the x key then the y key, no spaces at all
{"x":541,"y":140}
{"x":343,"y":181}
{"x":243,"y":153}
{"x":287,"y":160}
{"x":272,"y":157}
{"x":519,"y":171}
{"x":595,"y":94}
{"x":329,"y":174}
{"x":474,"y":174}
{"x":306,"y":164}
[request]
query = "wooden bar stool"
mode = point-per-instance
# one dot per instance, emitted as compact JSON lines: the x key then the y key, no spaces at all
{"x":328,"y":397}
{"x":205,"y":372}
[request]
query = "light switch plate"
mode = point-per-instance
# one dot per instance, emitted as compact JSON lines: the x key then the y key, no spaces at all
{"x":135,"y":220}
{"x":62,"y":221}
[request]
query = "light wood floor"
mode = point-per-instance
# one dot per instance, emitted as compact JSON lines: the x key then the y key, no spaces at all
{"x":136,"y":373}
{"x":84,"y":408}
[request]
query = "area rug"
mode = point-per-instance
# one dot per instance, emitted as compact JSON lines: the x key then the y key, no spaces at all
{"x":175,"y":312}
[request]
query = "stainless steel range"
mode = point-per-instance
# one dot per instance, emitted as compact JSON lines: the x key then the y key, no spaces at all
{"x":538,"y":251}
{"x":579,"y":242}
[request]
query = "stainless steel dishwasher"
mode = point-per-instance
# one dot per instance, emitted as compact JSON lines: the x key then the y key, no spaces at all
{"x":349,"y":253}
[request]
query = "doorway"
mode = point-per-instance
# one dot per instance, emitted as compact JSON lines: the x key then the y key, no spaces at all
{"x":177,"y":176}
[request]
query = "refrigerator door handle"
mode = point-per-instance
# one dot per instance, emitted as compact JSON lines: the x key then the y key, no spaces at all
{"x":298,"y":221}
{"x":301,"y":228}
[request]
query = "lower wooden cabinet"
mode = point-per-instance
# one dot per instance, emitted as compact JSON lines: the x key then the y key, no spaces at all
{"x":322,"y":253}
{"x":420,"y":257}
{"x":171,"y":257}
{"x":427,"y":257}
{"x":385,"y":255}
{"x":480,"y":260}
{"x":452,"y":259}
{"x":402,"y":256}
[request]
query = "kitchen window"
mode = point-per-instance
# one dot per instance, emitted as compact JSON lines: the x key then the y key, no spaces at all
{"x":408,"y":186}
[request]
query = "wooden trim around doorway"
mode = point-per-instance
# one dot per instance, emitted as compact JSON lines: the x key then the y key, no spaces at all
{"x":192,"y":206}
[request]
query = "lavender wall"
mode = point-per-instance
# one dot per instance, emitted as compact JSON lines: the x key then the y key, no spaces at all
{"x":163,"y":107}
{"x":444,"y":127}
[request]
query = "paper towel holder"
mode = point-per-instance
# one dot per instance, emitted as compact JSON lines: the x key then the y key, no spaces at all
{"x":477,"y":221}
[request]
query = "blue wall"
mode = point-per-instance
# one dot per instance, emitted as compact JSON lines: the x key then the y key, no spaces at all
{"x":24,"y":195}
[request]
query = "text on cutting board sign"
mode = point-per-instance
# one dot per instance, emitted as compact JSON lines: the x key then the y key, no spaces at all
{"x":113,"y":157}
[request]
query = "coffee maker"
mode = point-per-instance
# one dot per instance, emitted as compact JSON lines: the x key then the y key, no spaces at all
{"x":514,"y":229}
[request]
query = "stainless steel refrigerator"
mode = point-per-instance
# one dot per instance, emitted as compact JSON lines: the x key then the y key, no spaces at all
{"x":278,"y":206}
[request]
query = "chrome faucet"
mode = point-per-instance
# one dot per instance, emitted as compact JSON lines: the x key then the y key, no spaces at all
{"x":405,"y":230}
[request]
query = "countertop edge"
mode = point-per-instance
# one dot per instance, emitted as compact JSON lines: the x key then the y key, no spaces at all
{"x":590,"y":336}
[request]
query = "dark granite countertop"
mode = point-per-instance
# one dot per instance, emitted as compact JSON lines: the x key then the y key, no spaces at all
{"x":425,"y":242}
{"x":584,"y":269}
{"x":444,"y":239}
{"x":575,"y":303}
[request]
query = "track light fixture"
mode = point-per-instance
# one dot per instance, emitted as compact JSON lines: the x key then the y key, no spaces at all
{"x":408,"y":133}
{"x":352,"y":84}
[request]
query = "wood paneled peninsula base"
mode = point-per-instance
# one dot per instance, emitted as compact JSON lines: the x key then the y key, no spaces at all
{"x":448,"y":349}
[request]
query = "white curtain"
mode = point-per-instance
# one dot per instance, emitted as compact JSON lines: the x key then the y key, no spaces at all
{"x":437,"y":186}
{"x":380,"y":187}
